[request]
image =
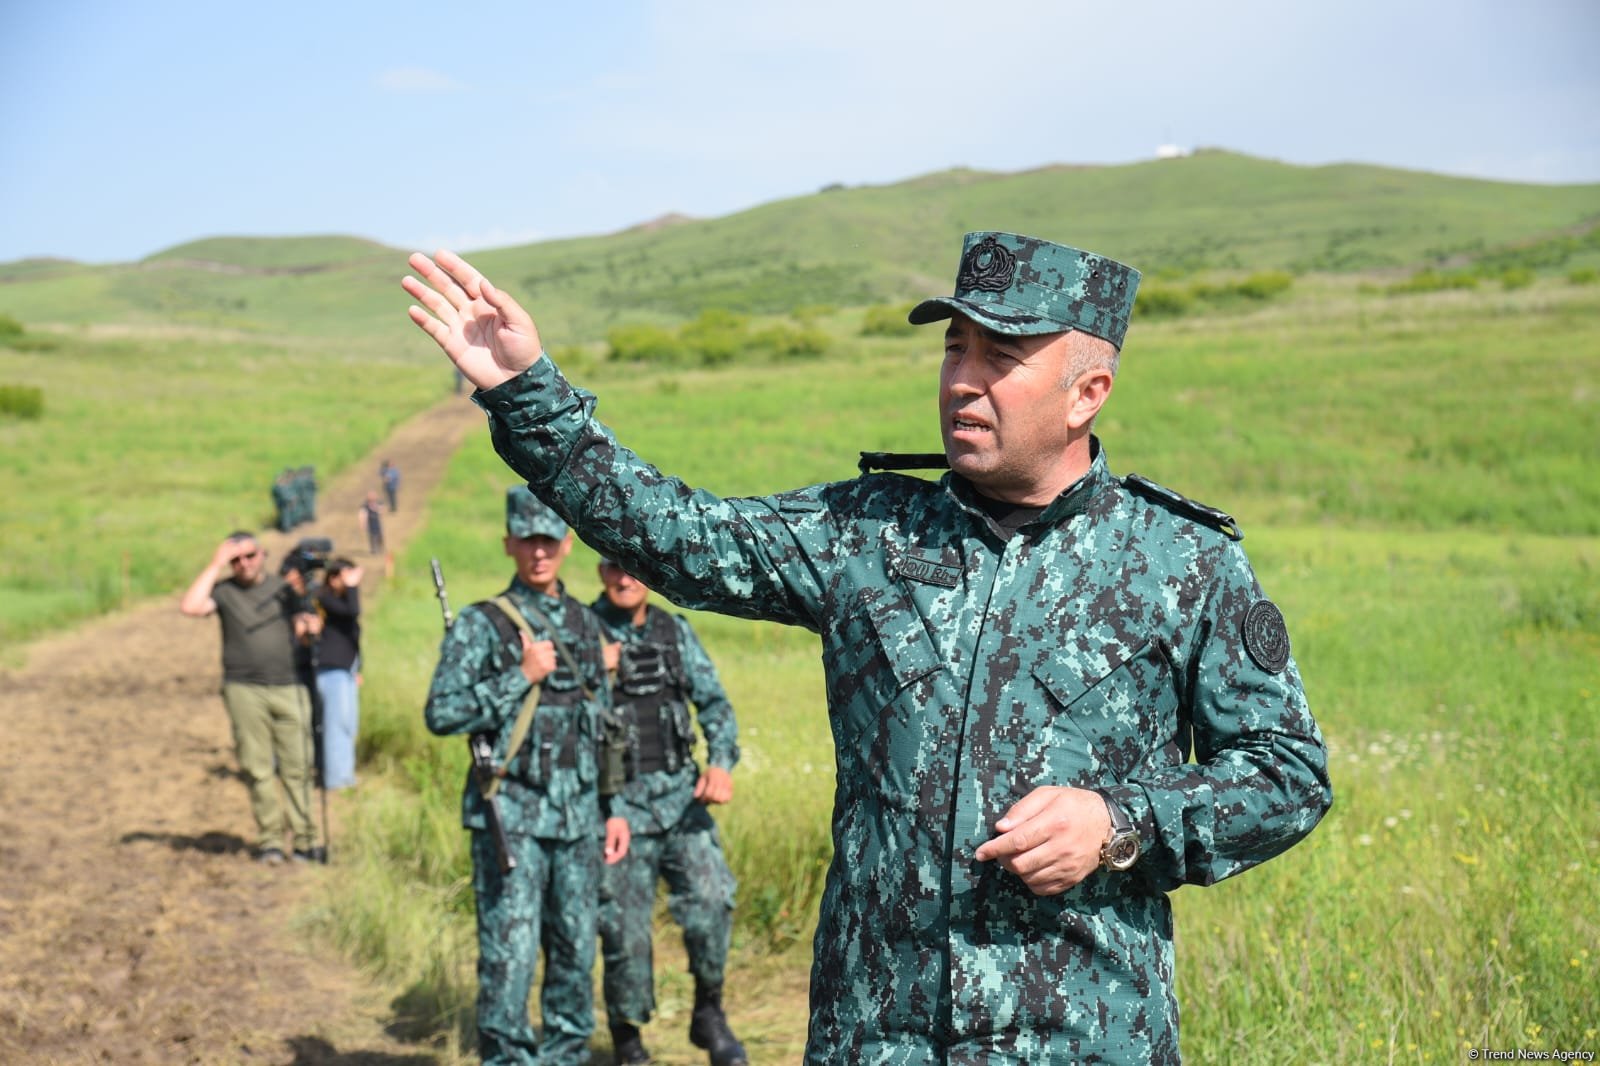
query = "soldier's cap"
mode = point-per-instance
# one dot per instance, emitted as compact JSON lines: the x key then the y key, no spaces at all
{"x":1023,"y":286}
{"x":527,"y":517}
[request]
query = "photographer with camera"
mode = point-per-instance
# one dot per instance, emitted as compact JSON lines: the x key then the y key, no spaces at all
{"x":338,"y":668}
{"x":264,"y":619}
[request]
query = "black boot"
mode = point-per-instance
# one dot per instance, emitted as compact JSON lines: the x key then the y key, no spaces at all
{"x":709,"y":1028}
{"x":626,"y":1047}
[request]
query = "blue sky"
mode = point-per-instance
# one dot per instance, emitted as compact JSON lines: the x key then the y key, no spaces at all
{"x":126,"y":128}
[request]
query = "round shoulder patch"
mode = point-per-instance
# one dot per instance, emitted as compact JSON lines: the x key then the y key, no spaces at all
{"x":1266,"y":638}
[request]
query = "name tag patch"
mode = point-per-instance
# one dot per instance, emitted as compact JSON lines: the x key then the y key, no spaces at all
{"x":928,"y":571}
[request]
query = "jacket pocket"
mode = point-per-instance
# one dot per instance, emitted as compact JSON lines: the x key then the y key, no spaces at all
{"x":1113,"y":707}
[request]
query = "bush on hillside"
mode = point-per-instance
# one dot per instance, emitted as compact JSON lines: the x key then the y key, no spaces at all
{"x":21,"y":401}
{"x":718,"y":336}
{"x":1584,"y":276}
{"x":1433,"y":281}
{"x":784,"y":341}
{"x":1516,"y":278}
{"x":887,"y":320}
{"x":9,"y":327}
{"x":1162,"y":301}
{"x":646,"y":344}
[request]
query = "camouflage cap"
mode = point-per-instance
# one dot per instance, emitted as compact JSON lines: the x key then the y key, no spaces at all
{"x":527,"y":517}
{"x":1023,"y":285}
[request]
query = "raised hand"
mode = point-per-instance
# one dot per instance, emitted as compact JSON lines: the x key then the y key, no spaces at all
{"x":486,"y":334}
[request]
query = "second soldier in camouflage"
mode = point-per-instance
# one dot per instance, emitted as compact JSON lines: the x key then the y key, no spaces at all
{"x":662,"y":669}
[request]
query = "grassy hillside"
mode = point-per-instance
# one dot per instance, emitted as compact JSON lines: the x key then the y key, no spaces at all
{"x":847,"y":247}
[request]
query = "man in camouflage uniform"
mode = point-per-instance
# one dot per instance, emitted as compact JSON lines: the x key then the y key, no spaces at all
{"x":661,"y":669}
{"x":1022,"y":659}
{"x":550,"y":804}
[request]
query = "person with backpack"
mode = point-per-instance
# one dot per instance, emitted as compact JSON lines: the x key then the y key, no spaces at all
{"x":661,"y":669}
{"x":527,"y":669}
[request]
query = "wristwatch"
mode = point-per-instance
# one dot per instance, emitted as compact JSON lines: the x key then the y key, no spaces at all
{"x":1121,"y":849}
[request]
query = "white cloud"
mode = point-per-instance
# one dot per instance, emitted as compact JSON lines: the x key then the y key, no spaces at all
{"x":417,"y":80}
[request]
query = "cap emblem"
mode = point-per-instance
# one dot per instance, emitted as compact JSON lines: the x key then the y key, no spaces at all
{"x":988,"y":266}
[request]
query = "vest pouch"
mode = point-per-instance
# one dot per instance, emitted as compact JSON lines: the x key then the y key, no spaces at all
{"x":611,"y":754}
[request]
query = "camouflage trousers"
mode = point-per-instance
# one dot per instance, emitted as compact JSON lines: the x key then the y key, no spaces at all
{"x":689,"y":858}
{"x":548,"y":902}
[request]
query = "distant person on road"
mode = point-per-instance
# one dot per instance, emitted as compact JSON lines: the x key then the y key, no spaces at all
{"x":661,"y":669}
{"x":529,"y":664}
{"x":1056,"y":694}
{"x":338,"y":659}
{"x":370,"y":515}
{"x":263,"y":621}
{"x":389,"y":474}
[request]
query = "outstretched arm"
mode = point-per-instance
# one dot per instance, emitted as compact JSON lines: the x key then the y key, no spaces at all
{"x":486,"y":334}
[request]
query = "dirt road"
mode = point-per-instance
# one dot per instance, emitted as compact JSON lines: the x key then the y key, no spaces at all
{"x":134,"y":925}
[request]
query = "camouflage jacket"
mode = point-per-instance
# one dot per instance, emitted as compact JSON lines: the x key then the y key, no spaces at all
{"x":1102,"y":645}
{"x":657,"y":799}
{"x":478,"y":687}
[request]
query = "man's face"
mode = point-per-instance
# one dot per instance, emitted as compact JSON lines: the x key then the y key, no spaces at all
{"x":623,"y":590}
{"x":247,"y":562}
{"x":1003,"y":412}
{"x":538,"y":559}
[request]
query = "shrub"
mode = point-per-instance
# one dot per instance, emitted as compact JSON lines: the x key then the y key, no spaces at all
{"x":1516,"y":278}
{"x":789,"y":342}
{"x":718,"y":336}
{"x":1433,"y":281}
{"x":1584,"y":276}
{"x":646,"y":344}
{"x":1158,"y":301}
{"x":9,"y":327}
{"x":21,"y":401}
{"x":1264,"y":285}
{"x":887,"y":320}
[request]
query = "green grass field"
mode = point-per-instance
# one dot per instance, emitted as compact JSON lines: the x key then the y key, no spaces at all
{"x":1415,"y":473}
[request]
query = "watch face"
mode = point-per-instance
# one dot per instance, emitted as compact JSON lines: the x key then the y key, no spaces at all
{"x":1122,"y":852}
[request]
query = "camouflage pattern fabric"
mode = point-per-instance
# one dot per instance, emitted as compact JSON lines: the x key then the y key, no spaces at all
{"x":674,"y":838}
{"x":1101,"y":646}
{"x":553,"y":819}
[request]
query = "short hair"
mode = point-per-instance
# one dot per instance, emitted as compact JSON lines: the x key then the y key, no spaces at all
{"x":241,"y":534}
{"x":1086,"y":352}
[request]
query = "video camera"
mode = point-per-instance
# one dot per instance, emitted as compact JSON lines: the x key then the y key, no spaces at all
{"x":309,"y":558}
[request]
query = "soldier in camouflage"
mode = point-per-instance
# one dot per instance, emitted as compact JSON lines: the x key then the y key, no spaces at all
{"x":661,"y":669}
{"x":1056,"y":695}
{"x":550,"y":803}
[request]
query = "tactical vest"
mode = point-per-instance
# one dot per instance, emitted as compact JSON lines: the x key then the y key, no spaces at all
{"x":653,"y":688}
{"x":560,"y":688}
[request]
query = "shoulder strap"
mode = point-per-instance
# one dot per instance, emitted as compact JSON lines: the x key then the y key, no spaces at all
{"x":519,"y":729}
{"x":1218,"y":520}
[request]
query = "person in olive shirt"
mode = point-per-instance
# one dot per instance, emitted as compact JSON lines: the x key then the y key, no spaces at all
{"x":263,"y":621}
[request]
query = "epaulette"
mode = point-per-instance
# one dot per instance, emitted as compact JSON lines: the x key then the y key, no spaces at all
{"x":871,"y":461}
{"x":1218,"y":520}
